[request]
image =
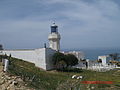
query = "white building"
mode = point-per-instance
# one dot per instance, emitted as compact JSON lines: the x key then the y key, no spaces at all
{"x":80,"y":55}
{"x":103,"y":59}
{"x":42,"y":57}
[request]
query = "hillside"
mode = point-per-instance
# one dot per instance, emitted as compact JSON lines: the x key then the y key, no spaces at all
{"x":30,"y":77}
{"x":11,"y":82}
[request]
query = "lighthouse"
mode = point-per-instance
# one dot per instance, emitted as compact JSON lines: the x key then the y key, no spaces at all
{"x":54,"y":38}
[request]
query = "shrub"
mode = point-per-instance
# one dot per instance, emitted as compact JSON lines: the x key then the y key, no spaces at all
{"x":67,"y":60}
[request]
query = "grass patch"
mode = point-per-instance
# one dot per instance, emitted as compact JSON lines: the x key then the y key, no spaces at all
{"x":60,"y":80}
{"x":35,"y":77}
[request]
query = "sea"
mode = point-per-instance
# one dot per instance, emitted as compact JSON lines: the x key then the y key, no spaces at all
{"x":93,"y":53}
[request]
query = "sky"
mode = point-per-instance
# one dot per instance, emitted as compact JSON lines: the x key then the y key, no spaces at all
{"x":25,"y":24}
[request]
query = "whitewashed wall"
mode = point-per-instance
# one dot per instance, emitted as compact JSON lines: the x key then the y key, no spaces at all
{"x":49,"y":54}
{"x":40,"y":57}
{"x":80,"y":55}
{"x":103,"y":58}
{"x":40,"y":60}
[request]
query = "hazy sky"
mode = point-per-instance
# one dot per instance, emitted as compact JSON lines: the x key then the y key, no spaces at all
{"x":82,"y":23}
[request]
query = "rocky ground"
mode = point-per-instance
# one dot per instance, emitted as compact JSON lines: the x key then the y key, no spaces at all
{"x":10,"y":82}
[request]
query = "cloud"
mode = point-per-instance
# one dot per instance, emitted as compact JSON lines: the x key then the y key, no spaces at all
{"x":82,"y":23}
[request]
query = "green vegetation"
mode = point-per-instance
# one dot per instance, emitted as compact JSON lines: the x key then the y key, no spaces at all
{"x":71,"y":60}
{"x":35,"y":77}
{"x":52,"y":80}
{"x":63,"y":61}
{"x":59,"y":60}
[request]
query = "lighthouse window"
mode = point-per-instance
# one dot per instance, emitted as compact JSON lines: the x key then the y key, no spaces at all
{"x":53,"y":29}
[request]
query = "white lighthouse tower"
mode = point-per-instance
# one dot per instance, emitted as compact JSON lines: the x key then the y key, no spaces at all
{"x":54,"y":38}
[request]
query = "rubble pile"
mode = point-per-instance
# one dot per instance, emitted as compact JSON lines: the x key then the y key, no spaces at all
{"x":10,"y":82}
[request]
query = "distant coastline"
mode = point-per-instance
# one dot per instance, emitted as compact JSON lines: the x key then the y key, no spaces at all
{"x":93,"y":53}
